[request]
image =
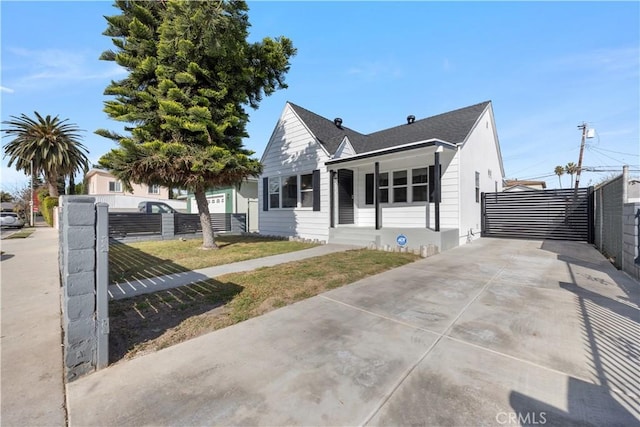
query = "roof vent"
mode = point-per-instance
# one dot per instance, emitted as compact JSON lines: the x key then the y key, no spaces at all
{"x":411,"y":119}
{"x":338,"y":122}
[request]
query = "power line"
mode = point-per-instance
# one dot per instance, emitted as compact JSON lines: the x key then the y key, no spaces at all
{"x":607,"y":156}
{"x":618,"y":152}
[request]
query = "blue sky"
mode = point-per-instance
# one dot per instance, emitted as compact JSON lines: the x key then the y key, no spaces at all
{"x":547,"y":67}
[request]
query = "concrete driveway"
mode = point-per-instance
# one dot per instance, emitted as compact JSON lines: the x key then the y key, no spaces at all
{"x":497,"y":332}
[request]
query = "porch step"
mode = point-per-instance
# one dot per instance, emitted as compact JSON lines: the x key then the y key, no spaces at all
{"x":352,"y":236}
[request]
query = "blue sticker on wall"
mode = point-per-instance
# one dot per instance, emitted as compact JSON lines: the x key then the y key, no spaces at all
{"x":401,"y":240}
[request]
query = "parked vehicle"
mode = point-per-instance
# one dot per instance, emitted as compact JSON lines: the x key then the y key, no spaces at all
{"x":11,"y":219}
{"x":155,"y":207}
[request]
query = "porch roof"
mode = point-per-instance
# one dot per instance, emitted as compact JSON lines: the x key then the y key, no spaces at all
{"x":391,"y":150}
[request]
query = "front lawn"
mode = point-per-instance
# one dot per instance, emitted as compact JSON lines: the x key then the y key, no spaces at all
{"x":151,"y":322}
{"x":143,"y":260}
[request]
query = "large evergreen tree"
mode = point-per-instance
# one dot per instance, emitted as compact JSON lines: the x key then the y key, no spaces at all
{"x":192,"y":72}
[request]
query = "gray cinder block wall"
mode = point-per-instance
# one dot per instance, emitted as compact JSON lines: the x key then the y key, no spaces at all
{"x":77,"y":268}
{"x":631,"y":239}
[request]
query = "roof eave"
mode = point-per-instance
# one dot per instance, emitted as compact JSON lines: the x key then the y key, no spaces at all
{"x":397,"y":149}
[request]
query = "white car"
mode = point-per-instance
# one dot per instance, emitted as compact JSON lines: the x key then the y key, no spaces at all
{"x":11,"y":219}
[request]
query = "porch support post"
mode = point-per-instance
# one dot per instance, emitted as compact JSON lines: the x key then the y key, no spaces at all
{"x":376,"y":191}
{"x":332,"y":221}
{"x":436,"y":176}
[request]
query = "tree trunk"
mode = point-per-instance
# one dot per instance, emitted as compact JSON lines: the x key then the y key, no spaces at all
{"x":208,"y":240}
{"x":72,"y":184}
{"x":53,"y":188}
{"x":52,"y":183}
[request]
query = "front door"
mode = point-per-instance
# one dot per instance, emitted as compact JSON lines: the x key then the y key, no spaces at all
{"x":345,"y":196}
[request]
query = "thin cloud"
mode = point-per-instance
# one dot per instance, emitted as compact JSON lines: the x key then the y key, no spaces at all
{"x":6,"y":89}
{"x":619,"y":61}
{"x":53,"y":66}
{"x":376,"y":70}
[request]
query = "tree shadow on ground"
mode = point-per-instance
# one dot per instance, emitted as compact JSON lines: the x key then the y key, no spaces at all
{"x":126,"y":261}
{"x":4,"y":257}
{"x":135,"y":322}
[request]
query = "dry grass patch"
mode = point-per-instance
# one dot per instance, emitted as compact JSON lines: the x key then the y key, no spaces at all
{"x":154,"y":321}
{"x":143,"y":260}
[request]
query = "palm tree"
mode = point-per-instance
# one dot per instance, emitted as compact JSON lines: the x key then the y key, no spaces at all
{"x":571,"y":169}
{"x":53,"y":145}
{"x":559,"y":170}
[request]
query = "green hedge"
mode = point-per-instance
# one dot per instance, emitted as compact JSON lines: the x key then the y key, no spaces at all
{"x":47,"y":209}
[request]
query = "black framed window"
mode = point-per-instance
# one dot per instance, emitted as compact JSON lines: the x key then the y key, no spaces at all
{"x":274,"y":192}
{"x":290,"y":191}
{"x":400,"y":186}
{"x":306,"y":191}
{"x":369,"y":190}
{"x":383,"y":185}
{"x":419,"y":184}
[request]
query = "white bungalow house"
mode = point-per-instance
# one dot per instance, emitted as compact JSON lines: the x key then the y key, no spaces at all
{"x":322,"y":180}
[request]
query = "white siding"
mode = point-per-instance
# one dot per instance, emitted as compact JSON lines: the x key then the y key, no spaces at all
{"x":478,"y":154}
{"x":344,"y":150}
{"x":292,"y":150}
{"x":449,"y":208}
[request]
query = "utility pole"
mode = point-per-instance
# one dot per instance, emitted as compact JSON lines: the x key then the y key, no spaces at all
{"x":584,"y":128}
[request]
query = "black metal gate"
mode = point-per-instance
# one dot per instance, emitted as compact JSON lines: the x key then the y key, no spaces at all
{"x":544,"y":214}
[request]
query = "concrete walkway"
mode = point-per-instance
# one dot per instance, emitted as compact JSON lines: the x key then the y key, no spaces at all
{"x":138,"y":287}
{"x":32,"y":373}
{"x":497,"y":332}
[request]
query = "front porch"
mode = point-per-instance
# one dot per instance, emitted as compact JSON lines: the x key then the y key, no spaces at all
{"x":415,"y":237}
{"x":376,"y":197}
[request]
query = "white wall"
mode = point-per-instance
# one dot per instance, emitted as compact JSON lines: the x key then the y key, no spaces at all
{"x":478,"y":154}
{"x":123,"y":203}
{"x":292,"y":150}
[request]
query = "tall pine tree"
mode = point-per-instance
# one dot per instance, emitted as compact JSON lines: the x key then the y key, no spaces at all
{"x":191,"y":73}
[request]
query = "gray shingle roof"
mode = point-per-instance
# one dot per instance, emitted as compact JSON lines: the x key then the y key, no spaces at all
{"x":453,"y":126}
{"x":325,"y":130}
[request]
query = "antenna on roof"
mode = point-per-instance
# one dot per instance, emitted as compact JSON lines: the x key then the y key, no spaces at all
{"x":338,"y":122}
{"x":411,"y":119}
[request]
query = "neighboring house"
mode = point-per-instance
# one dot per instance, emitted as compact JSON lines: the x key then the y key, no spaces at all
{"x":108,"y":189}
{"x":8,"y":206}
{"x":322,"y":180}
{"x":241,"y":199}
{"x":517,"y":185}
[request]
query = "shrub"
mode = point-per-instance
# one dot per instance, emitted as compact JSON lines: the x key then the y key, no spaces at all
{"x":47,"y":209}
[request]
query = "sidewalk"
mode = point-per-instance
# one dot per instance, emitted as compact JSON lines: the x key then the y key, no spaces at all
{"x":132,"y":288}
{"x":32,"y":375}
